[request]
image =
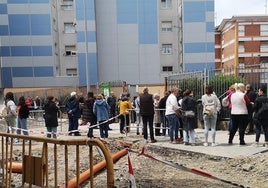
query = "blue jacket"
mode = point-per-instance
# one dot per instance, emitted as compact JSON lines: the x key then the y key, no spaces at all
{"x":100,"y":109}
{"x":73,"y":105}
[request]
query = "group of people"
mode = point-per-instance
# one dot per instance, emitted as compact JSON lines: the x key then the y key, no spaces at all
{"x":16,"y":115}
{"x":175,"y":113}
{"x":247,"y":109}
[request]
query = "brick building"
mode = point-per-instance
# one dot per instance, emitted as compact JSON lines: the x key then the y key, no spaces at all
{"x":242,"y":41}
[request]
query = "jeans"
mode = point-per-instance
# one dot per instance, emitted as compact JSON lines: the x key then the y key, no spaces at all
{"x":22,"y":124}
{"x":189,"y":136}
{"x":164,"y":123}
{"x":210,"y":123}
{"x":138,"y":121}
{"x":173,"y":122}
{"x":73,"y":125}
{"x":52,"y":131}
{"x":258,"y":131}
{"x":148,"y":120}
{"x":103,"y":129}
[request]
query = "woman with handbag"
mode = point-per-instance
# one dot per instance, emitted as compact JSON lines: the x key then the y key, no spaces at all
{"x":189,"y":118}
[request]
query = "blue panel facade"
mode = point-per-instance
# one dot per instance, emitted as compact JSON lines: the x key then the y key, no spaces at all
{"x":198,"y":47}
{"x":22,"y":72}
{"x":81,"y":39}
{"x":25,"y":27}
{"x":6,"y":77}
{"x":198,"y":13}
{"x":21,"y":51}
{"x":5,"y":51}
{"x":43,"y":71}
{"x":148,"y":22}
{"x":40,"y":24}
{"x":3,"y":30}
{"x":126,"y":11}
{"x":80,"y":9}
{"x":42,"y":51}
{"x":19,"y":24}
{"x":199,"y":66}
{"x":3,"y":9}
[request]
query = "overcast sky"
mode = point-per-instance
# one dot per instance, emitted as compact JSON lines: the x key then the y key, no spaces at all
{"x":228,"y":8}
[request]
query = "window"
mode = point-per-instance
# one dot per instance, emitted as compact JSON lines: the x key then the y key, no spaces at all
{"x":69,"y":28}
{"x":70,"y":50}
{"x":166,"y":26}
{"x":264,"y":30}
{"x":71,"y":72}
{"x":241,"y":30}
{"x":166,"y":3}
{"x":67,"y":4}
{"x":166,"y":48}
{"x":241,"y":47}
{"x":167,"y":69}
{"x":264,"y":46}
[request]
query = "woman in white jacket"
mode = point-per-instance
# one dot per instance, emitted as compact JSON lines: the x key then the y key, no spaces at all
{"x":211,"y":107}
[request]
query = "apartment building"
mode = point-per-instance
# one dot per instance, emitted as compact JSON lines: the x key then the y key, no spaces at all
{"x":88,"y":42}
{"x":242,"y":41}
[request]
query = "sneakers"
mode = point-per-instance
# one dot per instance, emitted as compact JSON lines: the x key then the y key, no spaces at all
{"x":205,"y":144}
{"x":265,"y":144}
{"x":213,"y":144}
{"x":153,"y":141}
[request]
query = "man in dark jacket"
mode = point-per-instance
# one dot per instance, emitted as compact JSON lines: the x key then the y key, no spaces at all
{"x":51,"y":116}
{"x":74,"y":113}
{"x":252,"y":95}
{"x":261,"y":118}
{"x":147,"y":113}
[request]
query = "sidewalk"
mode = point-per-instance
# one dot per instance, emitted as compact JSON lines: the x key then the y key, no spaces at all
{"x":222,"y":148}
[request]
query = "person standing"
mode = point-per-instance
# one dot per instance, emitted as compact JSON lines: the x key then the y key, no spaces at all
{"x":51,"y":116}
{"x":11,"y":112}
{"x":239,"y":113}
{"x":189,"y":123}
{"x":261,"y":118}
{"x":172,"y":117}
{"x":23,"y":114}
{"x":252,"y":95}
{"x":147,"y":114}
{"x":138,"y":116}
{"x":73,"y":111}
{"x":210,"y":120}
{"x":162,"y":108}
{"x":124,"y":107}
{"x":101,"y":110}
{"x":111,"y":100}
{"x":157,"y":120}
{"x":88,"y":114}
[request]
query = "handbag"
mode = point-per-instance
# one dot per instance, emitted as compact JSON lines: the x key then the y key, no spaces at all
{"x":189,"y":114}
{"x":225,"y":102}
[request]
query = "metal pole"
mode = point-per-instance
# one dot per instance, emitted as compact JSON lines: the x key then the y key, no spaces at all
{"x":86,"y":40}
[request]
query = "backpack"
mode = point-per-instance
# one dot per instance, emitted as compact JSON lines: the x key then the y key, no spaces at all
{"x":209,"y":109}
{"x":263,"y":111}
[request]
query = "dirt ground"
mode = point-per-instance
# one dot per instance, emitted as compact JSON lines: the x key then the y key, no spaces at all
{"x":148,"y":173}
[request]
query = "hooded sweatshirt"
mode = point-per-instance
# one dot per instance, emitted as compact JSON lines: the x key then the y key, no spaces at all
{"x":100,"y":109}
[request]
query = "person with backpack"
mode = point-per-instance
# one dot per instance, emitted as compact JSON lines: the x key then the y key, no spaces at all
{"x":260,"y":108}
{"x":211,"y":107}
